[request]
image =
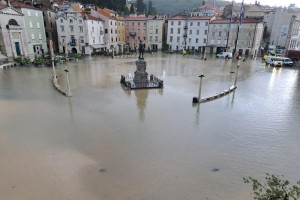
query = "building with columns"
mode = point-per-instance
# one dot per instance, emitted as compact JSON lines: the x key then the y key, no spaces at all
{"x":13,"y":40}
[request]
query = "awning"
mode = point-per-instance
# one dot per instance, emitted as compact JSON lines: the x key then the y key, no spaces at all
{"x":2,"y":57}
{"x":97,"y":46}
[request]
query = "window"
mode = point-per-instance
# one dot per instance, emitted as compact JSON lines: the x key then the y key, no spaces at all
{"x":220,"y":33}
{"x":191,"y":32}
{"x":106,"y":31}
{"x":206,"y":23}
{"x":179,"y":22}
{"x":62,"y":28}
{"x":93,"y":29}
{"x":32,"y":36}
{"x":138,"y":23}
{"x":111,"y":31}
{"x":204,"y":41}
{"x":178,"y":39}
{"x":112,"y":39}
{"x":110,"y":22}
{"x":81,"y":40}
{"x":80,"y":21}
{"x":213,"y":34}
{"x":81,"y":29}
{"x":71,"y":29}
{"x":197,"y":32}
{"x":38,"y":25}
{"x":190,"y":40}
{"x":40,"y":36}
{"x":178,"y":30}
{"x":156,"y":31}
{"x":30,"y":24}
{"x":144,"y":23}
{"x":249,"y":34}
{"x":71,"y":20}
{"x":150,"y":38}
{"x":196,"y":40}
{"x":127,"y":23}
{"x":132,"y":23}
{"x":61,"y":20}
{"x":198,"y":24}
{"x":171,"y":38}
{"x":191,"y":23}
{"x":94,"y":40}
{"x":171,"y":31}
{"x":205,"y":32}
{"x":156,"y":38}
{"x":212,"y":41}
{"x":172,"y":23}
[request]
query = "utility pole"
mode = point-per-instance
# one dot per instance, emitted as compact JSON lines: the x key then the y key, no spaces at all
{"x":238,"y":30}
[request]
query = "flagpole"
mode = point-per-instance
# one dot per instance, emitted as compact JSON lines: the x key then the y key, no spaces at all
{"x":229,"y":25}
{"x":238,"y":30}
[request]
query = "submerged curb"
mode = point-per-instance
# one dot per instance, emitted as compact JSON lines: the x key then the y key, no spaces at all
{"x":58,"y":88}
{"x":219,"y":95}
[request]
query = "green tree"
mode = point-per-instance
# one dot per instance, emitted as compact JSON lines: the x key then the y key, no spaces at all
{"x":274,"y":188}
{"x":140,"y":6}
{"x":132,"y":9}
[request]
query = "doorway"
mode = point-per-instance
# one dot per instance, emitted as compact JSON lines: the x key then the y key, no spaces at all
{"x":18,"y":50}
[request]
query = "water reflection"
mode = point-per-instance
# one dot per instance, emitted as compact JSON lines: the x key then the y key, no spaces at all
{"x":141,"y":102}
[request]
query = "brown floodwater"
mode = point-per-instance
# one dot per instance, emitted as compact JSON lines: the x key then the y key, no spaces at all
{"x":108,"y":143}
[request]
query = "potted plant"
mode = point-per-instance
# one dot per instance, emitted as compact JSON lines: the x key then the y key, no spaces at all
{"x":18,"y":60}
{"x":25,"y":61}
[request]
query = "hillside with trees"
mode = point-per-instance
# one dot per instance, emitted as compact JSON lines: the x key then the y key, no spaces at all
{"x":175,"y":6}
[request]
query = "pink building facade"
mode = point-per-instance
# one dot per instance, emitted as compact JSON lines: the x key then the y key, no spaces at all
{"x":136,"y":31}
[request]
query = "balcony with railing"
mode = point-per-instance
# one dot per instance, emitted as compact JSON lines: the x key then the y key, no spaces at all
{"x":132,"y":33}
{"x":73,"y":43}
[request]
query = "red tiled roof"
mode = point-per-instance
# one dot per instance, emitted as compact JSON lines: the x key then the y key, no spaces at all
{"x":182,"y":17}
{"x":92,"y":17}
{"x":135,"y":18}
{"x":17,"y":4}
{"x":210,"y":6}
{"x":234,"y":21}
{"x":99,"y":10}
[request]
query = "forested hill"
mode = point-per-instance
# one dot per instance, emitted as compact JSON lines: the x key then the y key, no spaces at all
{"x":117,"y":5}
{"x":173,"y":7}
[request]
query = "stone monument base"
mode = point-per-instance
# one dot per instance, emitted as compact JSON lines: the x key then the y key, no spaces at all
{"x":141,"y":79}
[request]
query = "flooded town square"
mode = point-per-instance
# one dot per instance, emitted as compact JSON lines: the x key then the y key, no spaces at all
{"x":109,"y":143}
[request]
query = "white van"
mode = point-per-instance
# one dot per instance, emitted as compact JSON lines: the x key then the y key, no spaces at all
{"x":274,"y":61}
{"x":224,"y":54}
{"x":287,"y":61}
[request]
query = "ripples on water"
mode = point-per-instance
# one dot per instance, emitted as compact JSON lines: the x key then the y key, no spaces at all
{"x":151,"y":144}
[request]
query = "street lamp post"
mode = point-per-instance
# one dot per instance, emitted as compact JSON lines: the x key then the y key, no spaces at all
{"x":69,"y":94}
{"x":199,"y":94}
{"x":52,"y":59}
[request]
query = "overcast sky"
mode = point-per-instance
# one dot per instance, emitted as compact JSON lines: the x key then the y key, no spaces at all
{"x":273,"y":2}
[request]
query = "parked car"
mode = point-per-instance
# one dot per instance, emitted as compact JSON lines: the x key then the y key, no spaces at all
{"x":287,"y":61}
{"x":224,"y":54}
{"x":274,"y":61}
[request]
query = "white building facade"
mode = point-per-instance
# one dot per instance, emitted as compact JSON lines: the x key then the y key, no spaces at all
{"x":79,"y":33}
{"x":222,"y":36}
{"x":110,"y":28}
{"x":155,"y":33}
{"x":185,"y":32}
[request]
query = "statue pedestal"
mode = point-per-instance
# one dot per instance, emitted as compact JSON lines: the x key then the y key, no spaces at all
{"x":141,"y":79}
{"x":140,"y":75}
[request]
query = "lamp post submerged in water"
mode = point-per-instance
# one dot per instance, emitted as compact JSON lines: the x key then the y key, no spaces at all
{"x":198,"y":99}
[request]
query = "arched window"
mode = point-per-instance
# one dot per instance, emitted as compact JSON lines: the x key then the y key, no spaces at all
{"x":13,"y":22}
